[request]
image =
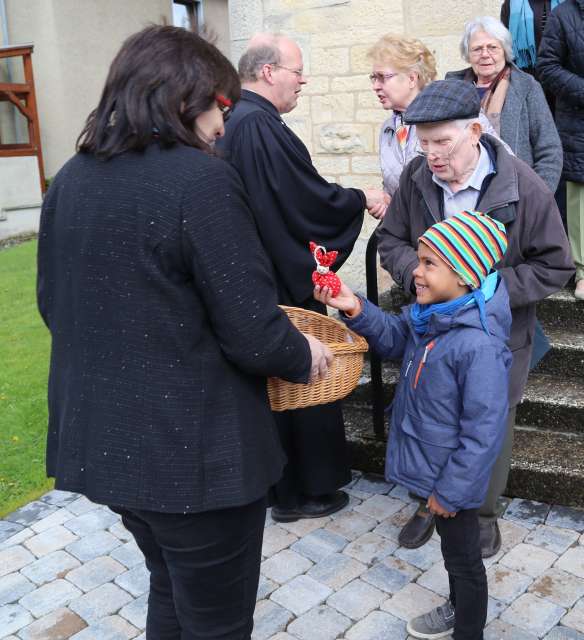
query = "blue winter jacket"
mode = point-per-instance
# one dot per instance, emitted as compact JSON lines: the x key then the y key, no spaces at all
{"x":450,"y":408}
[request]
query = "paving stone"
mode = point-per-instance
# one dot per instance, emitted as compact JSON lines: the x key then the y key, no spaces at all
{"x":58,"y":517}
{"x":93,"y":545}
{"x":82,"y":505}
{"x":95,"y":573}
{"x":370,"y":483}
{"x":50,"y":540}
{"x":101,"y":602}
{"x":436,"y":579}
{"x":412,"y":601}
{"x":276,"y":539}
{"x":533,"y":614}
{"x":336,"y":570}
{"x":564,"y":633}
{"x":320,"y":623}
{"x":110,"y":628}
{"x":391,"y":527}
{"x":391,"y":574}
{"x":512,"y":533}
{"x":566,"y":517}
{"x":265,"y":587}
{"x":303,"y":527}
{"x":51,"y":596}
{"x":12,"y":618}
{"x":348,"y":508}
{"x":285,"y":565}
{"x":50,"y":567}
{"x":351,"y":525}
{"x":269,"y":618}
{"x":136,"y":611}
{"x":24,"y":533}
{"x":423,"y":557}
{"x":494,"y":609}
{"x":370,"y":548}
{"x":9,"y":529}
{"x":378,"y":625}
{"x":58,"y":498}
{"x":380,"y":507}
{"x":505,"y":584}
{"x":527,"y":512}
{"x":30,"y":513}
{"x":136,"y":581}
{"x":13,"y":559}
{"x":57,"y":625}
{"x":357,"y":599}
{"x":559,"y":586}
{"x":572,"y":561}
{"x":142,"y":636}
{"x":301,"y":594}
{"x":128,"y":554}
{"x":282,"y":636}
{"x":499,"y":630}
{"x":13,"y":587}
{"x":575,"y":618}
{"x":319,"y":544}
{"x":121,"y":532}
{"x":401,"y":493}
{"x":552,"y":538}
{"x":96,"y":520}
{"x":529,"y":559}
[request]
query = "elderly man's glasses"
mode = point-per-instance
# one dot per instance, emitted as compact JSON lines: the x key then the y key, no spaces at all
{"x":443,"y":150}
{"x":225,"y":106}
{"x":381,"y":77}
{"x":297,"y":72}
{"x":489,"y":49}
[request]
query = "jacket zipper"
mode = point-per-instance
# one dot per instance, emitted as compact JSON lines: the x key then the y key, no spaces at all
{"x":427,"y":350}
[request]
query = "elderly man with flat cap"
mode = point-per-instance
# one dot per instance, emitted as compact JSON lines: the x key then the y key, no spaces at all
{"x":460,"y":169}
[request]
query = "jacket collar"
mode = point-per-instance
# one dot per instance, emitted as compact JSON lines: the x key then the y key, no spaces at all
{"x":500,"y":196}
{"x":260,"y":101}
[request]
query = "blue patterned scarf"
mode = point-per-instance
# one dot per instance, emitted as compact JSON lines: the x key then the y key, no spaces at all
{"x":523,"y":33}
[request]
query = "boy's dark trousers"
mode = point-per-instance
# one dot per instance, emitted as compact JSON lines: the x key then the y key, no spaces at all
{"x":204,"y":570}
{"x":466,"y":573}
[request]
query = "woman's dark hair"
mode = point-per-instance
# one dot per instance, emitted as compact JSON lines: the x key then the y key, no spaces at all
{"x":159,"y":82}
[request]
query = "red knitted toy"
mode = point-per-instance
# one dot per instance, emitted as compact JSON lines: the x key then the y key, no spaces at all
{"x":323,"y":276}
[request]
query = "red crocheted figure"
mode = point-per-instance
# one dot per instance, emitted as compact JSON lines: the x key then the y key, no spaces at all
{"x":323,"y":276}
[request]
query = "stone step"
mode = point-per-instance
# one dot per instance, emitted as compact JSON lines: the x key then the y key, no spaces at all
{"x":566,"y":357}
{"x":546,"y":466}
{"x":550,"y":402}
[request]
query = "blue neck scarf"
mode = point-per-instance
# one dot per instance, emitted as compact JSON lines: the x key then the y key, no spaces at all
{"x":420,"y":314}
{"x":523,"y":33}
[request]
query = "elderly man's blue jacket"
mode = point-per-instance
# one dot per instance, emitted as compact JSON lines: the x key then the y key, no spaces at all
{"x":450,"y":409}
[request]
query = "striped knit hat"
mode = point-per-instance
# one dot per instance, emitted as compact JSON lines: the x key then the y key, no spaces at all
{"x":470,"y":243}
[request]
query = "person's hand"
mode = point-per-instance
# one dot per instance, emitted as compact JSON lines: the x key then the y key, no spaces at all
{"x":345,"y":300}
{"x":322,"y":358}
{"x":377,"y":202}
{"x":437,"y":509}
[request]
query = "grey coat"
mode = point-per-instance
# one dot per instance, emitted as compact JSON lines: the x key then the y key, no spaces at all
{"x":527,"y":125}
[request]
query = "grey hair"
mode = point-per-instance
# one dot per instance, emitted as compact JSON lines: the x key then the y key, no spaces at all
{"x":495,"y":28}
{"x":461,"y":123}
{"x":255,"y":58}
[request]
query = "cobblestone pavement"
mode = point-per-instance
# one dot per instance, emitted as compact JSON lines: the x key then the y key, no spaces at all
{"x":69,"y":569}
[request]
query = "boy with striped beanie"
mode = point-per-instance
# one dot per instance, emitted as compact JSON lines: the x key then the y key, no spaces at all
{"x":449,"y":413}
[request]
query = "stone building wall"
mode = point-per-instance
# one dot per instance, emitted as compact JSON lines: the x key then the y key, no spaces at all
{"x":338,"y":116}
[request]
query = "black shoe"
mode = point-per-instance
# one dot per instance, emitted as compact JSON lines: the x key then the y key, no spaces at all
{"x":490,"y":537}
{"x":316,"y":507}
{"x":417,"y":530}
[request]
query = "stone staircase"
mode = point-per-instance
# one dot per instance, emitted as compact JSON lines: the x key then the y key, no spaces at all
{"x":548,"y":454}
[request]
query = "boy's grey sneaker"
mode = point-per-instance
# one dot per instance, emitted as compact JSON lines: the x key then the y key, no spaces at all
{"x":437,"y":623}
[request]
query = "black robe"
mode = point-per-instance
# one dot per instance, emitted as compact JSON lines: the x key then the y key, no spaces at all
{"x":292,"y":205}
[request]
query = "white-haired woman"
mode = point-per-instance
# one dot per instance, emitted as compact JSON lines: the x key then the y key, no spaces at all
{"x":512,"y":100}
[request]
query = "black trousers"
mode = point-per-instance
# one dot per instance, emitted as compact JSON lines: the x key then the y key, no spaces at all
{"x":204,"y":570}
{"x":459,"y":539}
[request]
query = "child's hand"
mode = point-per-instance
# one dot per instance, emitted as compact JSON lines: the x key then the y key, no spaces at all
{"x":437,"y":509}
{"x":345,"y":300}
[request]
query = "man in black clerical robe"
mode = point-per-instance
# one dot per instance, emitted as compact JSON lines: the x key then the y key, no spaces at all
{"x":293,"y":205}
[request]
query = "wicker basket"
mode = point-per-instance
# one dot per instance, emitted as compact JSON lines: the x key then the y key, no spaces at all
{"x":343,"y":376}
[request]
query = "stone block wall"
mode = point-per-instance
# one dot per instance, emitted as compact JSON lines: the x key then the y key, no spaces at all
{"x":338,"y":116}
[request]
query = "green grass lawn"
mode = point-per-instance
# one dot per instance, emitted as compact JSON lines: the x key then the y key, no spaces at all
{"x":24,"y":353}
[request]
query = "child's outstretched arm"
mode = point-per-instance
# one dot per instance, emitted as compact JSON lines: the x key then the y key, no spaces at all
{"x":386,"y":333}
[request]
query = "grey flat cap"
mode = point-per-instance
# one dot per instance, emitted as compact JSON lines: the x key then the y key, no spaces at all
{"x":444,"y":100}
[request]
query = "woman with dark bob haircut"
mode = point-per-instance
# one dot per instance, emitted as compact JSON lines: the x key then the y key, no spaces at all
{"x":164,"y":324}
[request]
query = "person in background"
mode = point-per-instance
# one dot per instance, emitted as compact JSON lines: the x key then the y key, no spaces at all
{"x":512,"y":100}
{"x":561,"y":70}
{"x":164,"y":324}
{"x":293,"y":205}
